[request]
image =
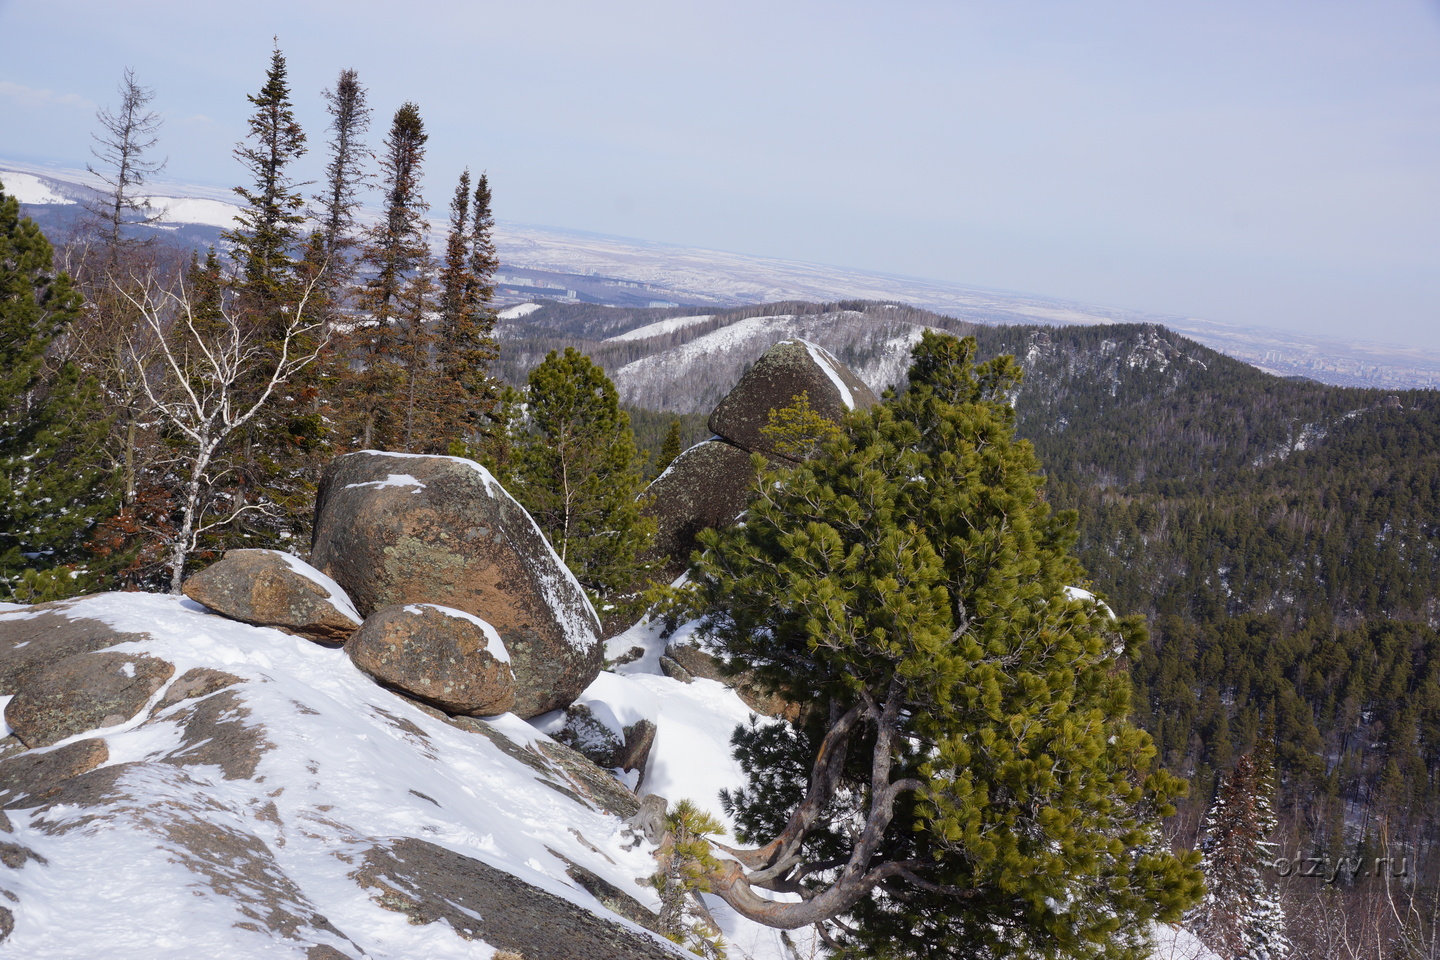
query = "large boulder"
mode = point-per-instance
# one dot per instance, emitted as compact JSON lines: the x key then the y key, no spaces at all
{"x":706,"y":486}
{"x":84,"y":692}
{"x":785,"y":371}
{"x":442,"y":656}
{"x":273,"y":589}
{"x":398,"y":528}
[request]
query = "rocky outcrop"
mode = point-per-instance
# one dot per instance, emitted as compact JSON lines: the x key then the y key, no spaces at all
{"x":706,"y":486}
{"x":430,"y":884}
{"x":439,"y":655}
{"x":709,"y":484}
{"x":785,"y":371}
{"x":40,"y":775}
{"x":83,"y":692}
{"x":268,"y":588}
{"x":46,"y":633}
{"x":397,"y":529}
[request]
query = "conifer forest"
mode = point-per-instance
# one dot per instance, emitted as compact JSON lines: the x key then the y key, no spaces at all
{"x":1264,"y":705}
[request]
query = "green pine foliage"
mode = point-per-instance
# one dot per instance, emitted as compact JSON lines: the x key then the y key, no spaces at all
{"x":574,"y":466}
{"x":965,"y":745}
{"x":797,"y":431}
{"x":52,"y":484}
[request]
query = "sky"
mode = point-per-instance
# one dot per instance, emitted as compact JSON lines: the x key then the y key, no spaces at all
{"x":1263,"y":162}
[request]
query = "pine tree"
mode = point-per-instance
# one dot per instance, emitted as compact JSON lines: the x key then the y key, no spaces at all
{"x":963,"y":781}
{"x":127,"y":134}
{"x":51,"y":483}
{"x":269,"y":224}
{"x":1240,"y":917}
{"x":575,"y":468}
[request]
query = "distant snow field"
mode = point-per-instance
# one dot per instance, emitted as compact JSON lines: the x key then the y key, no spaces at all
{"x":518,"y":311}
{"x":210,"y":213}
{"x":661,"y":327}
{"x":28,"y":189}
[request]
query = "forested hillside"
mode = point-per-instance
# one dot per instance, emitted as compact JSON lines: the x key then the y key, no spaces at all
{"x":1282,"y":536}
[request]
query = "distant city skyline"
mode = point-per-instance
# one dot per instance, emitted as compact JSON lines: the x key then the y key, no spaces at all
{"x":1273,"y":164}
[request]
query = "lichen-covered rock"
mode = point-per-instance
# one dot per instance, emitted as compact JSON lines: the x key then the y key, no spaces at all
{"x":436,"y":654}
{"x":786,"y":370}
{"x":37,"y":776}
{"x":706,"y":486}
{"x":195,"y":683}
{"x":429,"y":883}
{"x":273,"y":589}
{"x":83,"y":692}
{"x":398,"y":529}
{"x":32,"y":638}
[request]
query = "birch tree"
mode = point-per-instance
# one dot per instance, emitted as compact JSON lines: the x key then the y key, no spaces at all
{"x":206,"y":378}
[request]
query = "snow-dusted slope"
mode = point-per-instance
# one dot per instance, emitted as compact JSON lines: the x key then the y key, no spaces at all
{"x":314,"y":814}
{"x":184,"y":855}
{"x":694,"y":376}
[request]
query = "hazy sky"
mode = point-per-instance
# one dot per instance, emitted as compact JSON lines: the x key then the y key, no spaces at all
{"x":1258,"y":162}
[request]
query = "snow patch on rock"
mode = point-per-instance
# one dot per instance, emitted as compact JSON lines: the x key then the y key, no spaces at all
{"x":493,"y":644}
{"x":338,"y":598}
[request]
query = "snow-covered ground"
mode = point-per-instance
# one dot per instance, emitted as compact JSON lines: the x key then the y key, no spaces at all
{"x":342,"y":766}
{"x":351,"y":764}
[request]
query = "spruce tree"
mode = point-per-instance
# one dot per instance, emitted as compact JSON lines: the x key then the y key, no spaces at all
{"x":51,"y":425}
{"x":344,"y":179}
{"x":669,"y":449}
{"x":575,"y":468}
{"x":1240,"y":917}
{"x":467,"y":394}
{"x":269,"y":224}
{"x":390,"y":343}
{"x":963,"y":780}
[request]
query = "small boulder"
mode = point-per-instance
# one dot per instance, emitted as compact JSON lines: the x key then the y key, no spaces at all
{"x":706,"y":486}
{"x":403,"y":529}
{"x":82,"y":693}
{"x":436,"y":654}
{"x":268,"y":588}
{"x":786,"y":370}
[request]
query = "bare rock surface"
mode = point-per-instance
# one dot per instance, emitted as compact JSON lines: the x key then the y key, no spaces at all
{"x":397,"y":529}
{"x":437,"y":654}
{"x":708,"y":485}
{"x":196,"y":682}
{"x":430,"y":884}
{"x":786,"y":370}
{"x":83,"y":692}
{"x":273,"y":589}
{"x":38,"y":775}
{"x":42,"y":634}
